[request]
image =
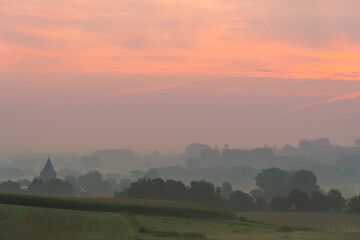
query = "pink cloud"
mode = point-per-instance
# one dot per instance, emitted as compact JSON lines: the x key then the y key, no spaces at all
{"x":307,"y":39}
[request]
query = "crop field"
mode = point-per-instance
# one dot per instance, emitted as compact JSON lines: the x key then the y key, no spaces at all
{"x":333,"y":222}
{"x":152,"y":207}
{"x":23,"y":222}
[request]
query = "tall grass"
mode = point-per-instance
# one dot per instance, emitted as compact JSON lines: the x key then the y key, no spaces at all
{"x":106,"y":205}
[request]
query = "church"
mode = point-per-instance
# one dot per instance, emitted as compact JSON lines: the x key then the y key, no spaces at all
{"x":48,"y":171}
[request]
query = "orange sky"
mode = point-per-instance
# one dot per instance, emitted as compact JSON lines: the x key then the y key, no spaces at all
{"x":262,"y":38}
{"x":112,"y":51}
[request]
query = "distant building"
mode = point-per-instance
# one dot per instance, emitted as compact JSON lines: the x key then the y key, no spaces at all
{"x":48,"y":172}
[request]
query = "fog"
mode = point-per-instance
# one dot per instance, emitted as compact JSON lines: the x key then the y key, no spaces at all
{"x":334,"y":165}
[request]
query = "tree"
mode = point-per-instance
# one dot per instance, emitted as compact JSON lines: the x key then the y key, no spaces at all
{"x":36,"y":186}
{"x":226,"y":190}
{"x":195,"y":149}
{"x":242,"y":200}
{"x":260,"y":203}
{"x":318,"y":202}
{"x":202,"y":192}
{"x":298,"y":199}
{"x":10,"y":187}
{"x":90,"y":182}
{"x":304,"y":180}
{"x":273,"y":182}
{"x":354,"y":204}
{"x":335,"y":200}
{"x":175,"y":190}
{"x":279,"y":204}
{"x":255,"y":193}
{"x":52,"y":187}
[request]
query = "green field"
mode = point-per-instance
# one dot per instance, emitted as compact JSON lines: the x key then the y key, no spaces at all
{"x":23,"y":222}
{"x":18,"y":222}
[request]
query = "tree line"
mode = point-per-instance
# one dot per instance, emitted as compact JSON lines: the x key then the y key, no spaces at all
{"x":278,"y":190}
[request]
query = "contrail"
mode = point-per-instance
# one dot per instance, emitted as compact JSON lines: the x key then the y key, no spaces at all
{"x":345,"y":97}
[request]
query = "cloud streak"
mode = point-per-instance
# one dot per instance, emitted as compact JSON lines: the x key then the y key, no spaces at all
{"x":335,"y":99}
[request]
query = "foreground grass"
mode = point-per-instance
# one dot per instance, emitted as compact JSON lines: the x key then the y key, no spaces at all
{"x":236,"y":229}
{"x":22,"y":222}
{"x":333,"y":222}
{"x":30,"y":223}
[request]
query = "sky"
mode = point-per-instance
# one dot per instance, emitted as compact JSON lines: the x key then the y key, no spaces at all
{"x":160,"y":74}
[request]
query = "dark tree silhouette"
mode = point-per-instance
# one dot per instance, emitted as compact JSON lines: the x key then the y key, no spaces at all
{"x":10,"y":187}
{"x":335,"y":200}
{"x":280,"y":204}
{"x":52,"y":187}
{"x":242,"y":200}
{"x":274,"y":182}
{"x":298,"y":199}
{"x":202,"y":191}
{"x":354,"y":204}
{"x":304,"y":180}
{"x":318,"y":202}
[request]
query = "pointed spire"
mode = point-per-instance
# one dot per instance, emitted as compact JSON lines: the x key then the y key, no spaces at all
{"x":48,"y":171}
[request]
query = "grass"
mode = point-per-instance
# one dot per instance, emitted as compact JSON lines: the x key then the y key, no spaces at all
{"x":228,"y":229}
{"x":24,"y":222}
{"x":18,"y":222}
{"x":152,"y":207}
{"x":98,"y":219}
{"x":332,"y":222}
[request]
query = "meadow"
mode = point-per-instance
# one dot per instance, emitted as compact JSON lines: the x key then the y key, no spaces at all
{"x":23,"y":222}
{"x":40,"y":218}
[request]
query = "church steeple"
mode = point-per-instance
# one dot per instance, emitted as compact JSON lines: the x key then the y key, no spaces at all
{"x":48,"y":171}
